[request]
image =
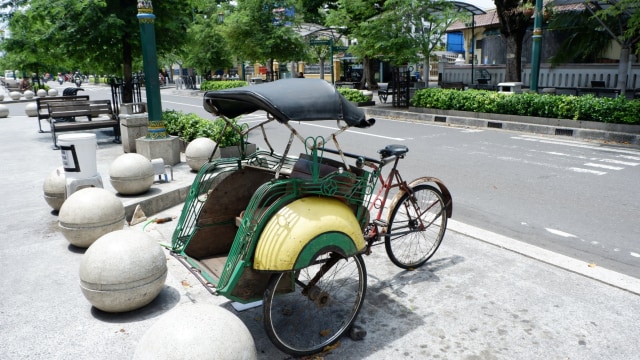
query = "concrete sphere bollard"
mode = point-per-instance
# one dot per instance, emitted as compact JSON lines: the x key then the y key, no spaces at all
{"x":41,"y":93}
{"x":88,"y":214}
{"x":4,"y":111}
{"x":198,"y":152}
{"x":367,"y":93}
{"x":31,"y":109}
{"x":122,"y":271}
{"x":54,"y":188}
{"x":131,"y":174}
{"x":28,"y":94}
{"x":15,"y":95}
{"x":197,"y":331}
{"x":52,"y":92}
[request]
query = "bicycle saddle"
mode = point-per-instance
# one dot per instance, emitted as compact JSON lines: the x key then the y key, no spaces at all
{"x":397,"y":150}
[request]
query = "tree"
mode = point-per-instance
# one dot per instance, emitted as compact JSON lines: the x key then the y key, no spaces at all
{"x":366,"y":24}
{"x":514,"y":21}
{"x":260,"y":30}
{"x":103,"y":35}
{"x":426,"y":23}
{"x":206,"y":46}
{"x":591,"y":30}
{"x":626,"y":30}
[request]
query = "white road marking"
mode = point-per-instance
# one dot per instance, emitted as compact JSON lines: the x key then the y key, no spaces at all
{"x":581,"y":170}
{"x":560,"y":233}
{"x":603,"y":166}
{"x":356,"y":132}
{"x":575,"y":143}
{"x":181,"y":103}
{"x":628,"y":157}
{"x":612,"y":161}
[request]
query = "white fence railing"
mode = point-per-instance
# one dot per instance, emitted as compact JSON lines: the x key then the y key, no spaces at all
{"x":562,"y":76}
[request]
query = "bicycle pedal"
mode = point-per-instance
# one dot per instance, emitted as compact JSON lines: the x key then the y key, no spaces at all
{"x":380,"y":223}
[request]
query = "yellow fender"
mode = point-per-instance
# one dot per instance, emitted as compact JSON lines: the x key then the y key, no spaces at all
{"x":298,"y":231}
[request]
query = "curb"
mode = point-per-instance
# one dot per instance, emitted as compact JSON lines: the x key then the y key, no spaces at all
{"x":542,"y":126}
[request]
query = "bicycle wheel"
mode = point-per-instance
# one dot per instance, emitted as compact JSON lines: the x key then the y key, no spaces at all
{"x":416,"y":228}
{"x":302,"y":319}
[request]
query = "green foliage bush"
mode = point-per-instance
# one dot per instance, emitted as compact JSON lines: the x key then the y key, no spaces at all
{"x":211,"y":85}
{"x":353,"y":95}
{"x":586,"y":107}
{"x":189,"y":126}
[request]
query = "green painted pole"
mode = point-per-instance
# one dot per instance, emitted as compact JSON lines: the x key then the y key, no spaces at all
{"x":333,"y":80}
{"x":146,"y":18}
{"x":537,"y":45}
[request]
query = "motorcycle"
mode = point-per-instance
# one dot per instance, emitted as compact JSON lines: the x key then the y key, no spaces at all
{"x":78,"y":81}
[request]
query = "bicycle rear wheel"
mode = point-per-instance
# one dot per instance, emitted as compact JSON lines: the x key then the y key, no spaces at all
{"x":416,"y":228}
{"x":301,"y":319}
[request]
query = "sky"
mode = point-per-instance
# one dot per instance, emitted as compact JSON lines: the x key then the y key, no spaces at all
{"x":482,"y":4}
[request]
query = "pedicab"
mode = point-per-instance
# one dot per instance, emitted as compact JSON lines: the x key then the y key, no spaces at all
{"x":285,"y":230}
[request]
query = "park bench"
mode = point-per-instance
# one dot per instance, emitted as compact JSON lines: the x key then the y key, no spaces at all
{"x":43,"y":110}
{"x":453,"y":85}
{"x":99,"y":114}
{"x":384,"y":92}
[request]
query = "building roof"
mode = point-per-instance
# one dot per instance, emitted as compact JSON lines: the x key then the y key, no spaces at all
{"x":490,"y":19}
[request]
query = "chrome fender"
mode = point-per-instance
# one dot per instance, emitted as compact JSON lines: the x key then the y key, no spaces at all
{"x":300,"y":230}
{"x":446,"y":195}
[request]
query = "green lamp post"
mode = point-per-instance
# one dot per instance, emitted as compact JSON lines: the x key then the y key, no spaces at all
{"x":146,"y":18}
{"x":536,"y":47}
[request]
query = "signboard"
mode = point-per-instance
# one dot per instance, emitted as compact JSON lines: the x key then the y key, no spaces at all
{"x":319,"y":42}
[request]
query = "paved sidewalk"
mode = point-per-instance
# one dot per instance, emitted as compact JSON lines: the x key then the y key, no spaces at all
{"x":482,"y":296}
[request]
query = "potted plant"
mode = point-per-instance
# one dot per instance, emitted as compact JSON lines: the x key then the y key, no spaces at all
{"x":548,"y":11}
{"x":528,"y":10}
{"x":230,"y":140}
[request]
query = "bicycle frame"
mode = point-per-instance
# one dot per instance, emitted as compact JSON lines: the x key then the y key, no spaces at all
{"x":393,"y":180}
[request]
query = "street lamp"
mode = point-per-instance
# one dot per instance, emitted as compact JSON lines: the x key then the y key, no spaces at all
{"x":537,"y":44}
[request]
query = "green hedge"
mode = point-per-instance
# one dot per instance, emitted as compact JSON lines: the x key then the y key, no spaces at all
{"x":189,"y":126}
{"x":586,"y":107}
{"x":353,"y":95}
{"x":221,"y":85}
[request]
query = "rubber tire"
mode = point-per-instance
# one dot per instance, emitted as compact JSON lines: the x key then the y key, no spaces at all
{"x":412,"y":250}
{"x":307,"y":331}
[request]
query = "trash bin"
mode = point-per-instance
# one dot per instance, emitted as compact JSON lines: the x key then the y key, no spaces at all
{"x":79,"y":155}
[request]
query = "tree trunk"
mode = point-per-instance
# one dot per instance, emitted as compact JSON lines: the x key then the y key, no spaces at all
{"x":623,"y":67}
{"x":513,"y":26}
{"x":368,"y":80}
{"x":514,"y":61}
{"x":322,"y":68}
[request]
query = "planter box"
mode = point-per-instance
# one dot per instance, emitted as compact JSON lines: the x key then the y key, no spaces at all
{"x":366,"y":103}
{"x":234,"y":151}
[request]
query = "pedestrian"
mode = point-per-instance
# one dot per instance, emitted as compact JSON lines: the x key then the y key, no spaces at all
{"x":25,"y":85}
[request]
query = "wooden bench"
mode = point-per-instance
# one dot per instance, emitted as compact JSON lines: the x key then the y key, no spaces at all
{"x":99,"y":114}
{"x":453,"y":85}
{"x":43,"y":110}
